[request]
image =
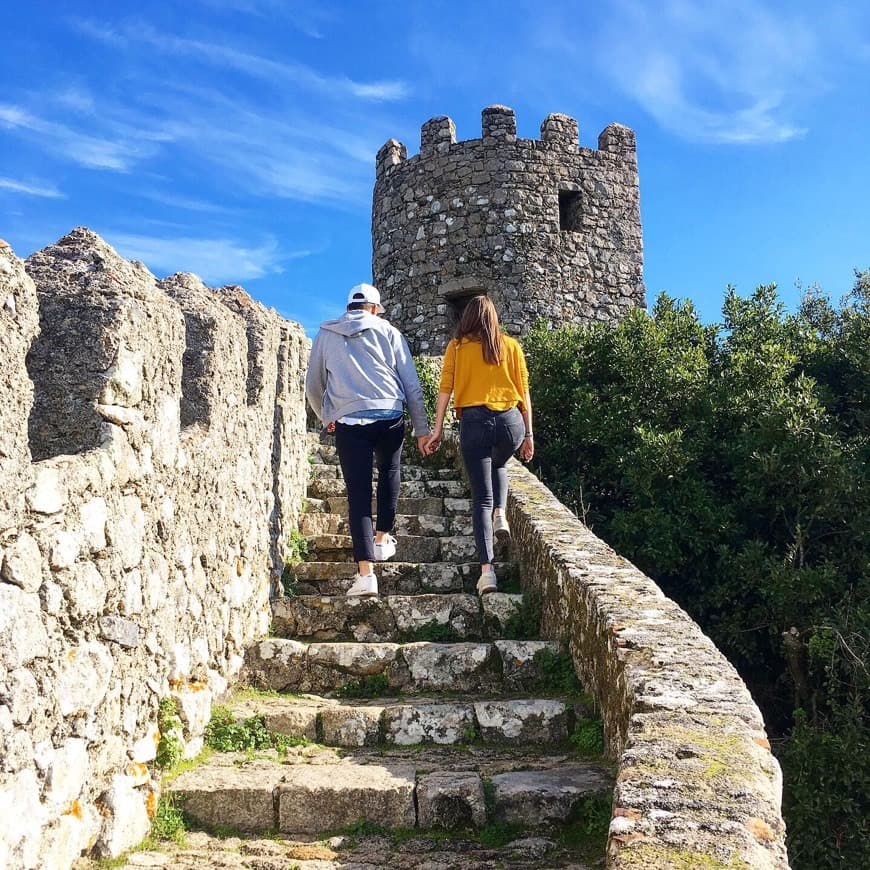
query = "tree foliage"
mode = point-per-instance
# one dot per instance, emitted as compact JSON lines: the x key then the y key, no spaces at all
{"x":730,"y":462}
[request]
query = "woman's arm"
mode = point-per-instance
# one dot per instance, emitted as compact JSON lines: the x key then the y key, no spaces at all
{"x":440,"y":411}
{"x":527,"y":448}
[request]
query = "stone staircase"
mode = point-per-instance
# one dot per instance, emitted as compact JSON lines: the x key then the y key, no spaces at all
{"x":426,"y":709}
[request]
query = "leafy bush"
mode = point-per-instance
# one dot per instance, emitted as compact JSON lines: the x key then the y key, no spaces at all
{"x":730,"y":462}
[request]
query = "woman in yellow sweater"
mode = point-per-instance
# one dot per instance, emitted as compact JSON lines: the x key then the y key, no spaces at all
{"x":487,"y":375}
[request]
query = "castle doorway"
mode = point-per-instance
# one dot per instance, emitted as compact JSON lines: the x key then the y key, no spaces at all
{"x":457,"y":304}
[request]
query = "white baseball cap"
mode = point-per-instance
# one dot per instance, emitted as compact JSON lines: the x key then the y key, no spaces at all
{"x":365,"y":293}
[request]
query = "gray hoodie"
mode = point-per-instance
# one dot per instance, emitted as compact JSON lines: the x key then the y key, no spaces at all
{"x":362,"y":362}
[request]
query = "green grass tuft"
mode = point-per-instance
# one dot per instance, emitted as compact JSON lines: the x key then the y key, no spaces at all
{"x":169,"y":821}
{"x":225,"y":733}
{"x":370,"y":686}
{"x":557,"y":672}
{"x":588,"y":737}
{"x":433,"y":631}
{"x":170,"y":749}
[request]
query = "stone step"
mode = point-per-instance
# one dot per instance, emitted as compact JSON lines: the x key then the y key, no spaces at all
{"x":407,"y":489}
{"x":323,"y":523}
{"x":409,"y":548}
{"x":418,"y":850}
{"x":459,"y":616}
{"x":431,"y":505}
{"x":331,"y":471}
{"x":285,"y":665}
{"x":413,"y":721}
{"x":316,"y":790}
{"x":397,"y":578}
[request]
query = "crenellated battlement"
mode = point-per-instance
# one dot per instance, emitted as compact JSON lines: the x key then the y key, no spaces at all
{"x":547,"y":228}
{"x":499,"y":127}
{"x":152,"y":464}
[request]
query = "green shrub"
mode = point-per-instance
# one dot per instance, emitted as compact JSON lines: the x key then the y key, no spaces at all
{"x":730,"y":462}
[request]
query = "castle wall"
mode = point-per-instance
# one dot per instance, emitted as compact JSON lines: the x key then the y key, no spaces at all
{"x":549,"y":230}
{"x":136,"y":555}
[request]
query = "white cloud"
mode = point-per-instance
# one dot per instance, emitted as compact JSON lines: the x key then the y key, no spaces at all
{"x":177,"y":201}
{"x":726,"y":72}
{"x":216,"y":261}
{"x":48,"y":191}
{"x":284,"y":152}
{"x":305,"y":16}
{"x":275,"y":71}
{"x":118,"y":153}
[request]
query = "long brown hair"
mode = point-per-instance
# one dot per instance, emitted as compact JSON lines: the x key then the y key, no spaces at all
{"x":479,"y":322}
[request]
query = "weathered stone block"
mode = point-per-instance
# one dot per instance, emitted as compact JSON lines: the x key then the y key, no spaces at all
{"x":451,"y":800}
{"x":447,"y":723}
{"x":126,"y":821}
{"x":22,"y":634}
{"x":318,"y":798}
{"x":463,"y":667}
{"x":83,"y":678}
{"x":518,"y":661}
{"x":123,"y":632}
{"x":351,"y":726}
{"x":522,"y":720}
{"x":22,"y":563}
{"x":543,"y":797}
{"x":229,"y":795}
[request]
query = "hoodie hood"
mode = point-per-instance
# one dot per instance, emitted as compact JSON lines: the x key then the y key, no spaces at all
{"x":352,"y":323}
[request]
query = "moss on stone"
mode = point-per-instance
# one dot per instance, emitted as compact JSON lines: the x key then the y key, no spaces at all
{"x":646,"y":855}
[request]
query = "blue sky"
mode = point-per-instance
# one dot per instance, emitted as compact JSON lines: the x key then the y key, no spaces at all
{"x":236,"y":138}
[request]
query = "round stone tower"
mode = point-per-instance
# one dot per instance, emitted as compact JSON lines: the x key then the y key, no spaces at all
{"x":547,"y":229}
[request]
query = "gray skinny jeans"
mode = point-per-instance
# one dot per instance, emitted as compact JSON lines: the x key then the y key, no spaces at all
{"x":487,"y":440}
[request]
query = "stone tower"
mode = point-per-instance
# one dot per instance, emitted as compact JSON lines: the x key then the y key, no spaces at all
{"x":544,"y":227}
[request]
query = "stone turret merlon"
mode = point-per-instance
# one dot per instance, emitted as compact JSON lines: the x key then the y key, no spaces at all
{"x":548,"y":229}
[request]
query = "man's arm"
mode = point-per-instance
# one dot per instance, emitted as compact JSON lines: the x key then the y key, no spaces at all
{"x":411,"y":384}
{"x":315,"y":377}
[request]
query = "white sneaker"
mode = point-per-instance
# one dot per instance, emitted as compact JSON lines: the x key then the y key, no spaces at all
{"x":500,"y":525}
{"x":487,"y":583}
{"x":386,"y":549}
{"x":363,"y":587}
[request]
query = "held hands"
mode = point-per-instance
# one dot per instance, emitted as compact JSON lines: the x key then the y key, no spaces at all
{"x":429,"y":444}
{"x":527,"y":449}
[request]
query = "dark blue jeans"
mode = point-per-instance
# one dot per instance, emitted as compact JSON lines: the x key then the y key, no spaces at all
{"x":357,"y":448}
{"x":487,"y":440}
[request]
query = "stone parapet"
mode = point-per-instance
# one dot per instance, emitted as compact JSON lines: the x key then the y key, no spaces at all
{"x":697,"y":785}
{"x":137,"y":553}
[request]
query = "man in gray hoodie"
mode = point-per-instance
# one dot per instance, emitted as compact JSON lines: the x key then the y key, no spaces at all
{"x":360,"y":378}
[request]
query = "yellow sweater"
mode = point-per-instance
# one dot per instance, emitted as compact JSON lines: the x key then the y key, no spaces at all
{"x":473,"y":381}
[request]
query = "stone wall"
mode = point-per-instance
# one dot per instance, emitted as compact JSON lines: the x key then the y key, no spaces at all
{"x":697,"y":785}
{"x":167,"y":420}
{"x":549,"y":230}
